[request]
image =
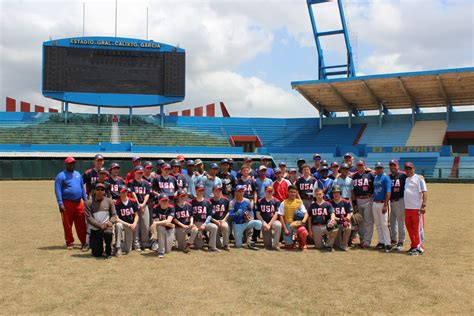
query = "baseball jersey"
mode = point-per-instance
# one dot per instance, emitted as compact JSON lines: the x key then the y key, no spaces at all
{"x":126,"y":211}
{"x":252,"y":174}
{"x":341,"y":208}
{"x":346,"y":186}
{"x":228,"y":183}
{"x":288,"y":208}
{"x":162,"y":214}
{"x":281,"y":189}
{"x":221,"y":208}
{"x":250,"y":187}
{"x":201,"y":210}
{"x":209,"y":184}
{"x":181,"y":181}
{"x":166,"y":185}
{"x":398,"y":185}
{"x":267,"y":208}
{"x":306,"y":187}
{"x":114,"y":187}
{"x":326,"y":185}
{"x":363,"y":183}
{"x":262,"y":185}
{"x":382,"y":185}
{"x":140,"y":188}
{"x":183,"y":213}
{"x":237,"y":211}
{"x":414,"y":186}
{"x":320,"y":213}
{"x":90,"y":177}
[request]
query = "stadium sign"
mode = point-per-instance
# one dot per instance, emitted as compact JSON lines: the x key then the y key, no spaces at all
{"x":136,"y":44}
{"x":404,"y":149}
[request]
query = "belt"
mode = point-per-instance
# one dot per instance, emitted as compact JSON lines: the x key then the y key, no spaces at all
{"x":394,"y":200}
{"x":364,"y":196}
{"x":379,"y":201}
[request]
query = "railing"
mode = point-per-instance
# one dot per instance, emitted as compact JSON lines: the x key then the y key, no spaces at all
{"x":445,"y":173}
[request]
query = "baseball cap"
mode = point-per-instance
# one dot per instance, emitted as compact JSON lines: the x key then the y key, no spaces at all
{"x":98,"y":157}
{"x":136,"y":158}
{"x":166,"y":166}
{"x":379,"y":165}
{"x":282,"y":163}
{"x":99,"y":185}
{"x":344,"y":166}
{"x":199,"y":187}
{"x":180,"y":158}
{"x":263,"y":158}
{"x":175,"y":163}
{"x":123,"y":188}
{"x":269,"y":188}
{"x":70,"y":160}
{"x":300,"y":160}
{"x":239,"y":188}
{"x":334,"y":164}
{"x":277,"y":170}
{"x":217,"y":187}
{"x":190,"y":162}
{"x":103,"y":170}
{"x":316,"y":157}
{"x":163,"y":197}
{"x":324,"y":163}
{"x":182,"y":192}
{"x":114,"y":165}
{"x":360,"y":163}
{"x":336,"y":188}
{"x":409,"y":165}
{"x":148,"y":164}
{"x":160,"y":162}
{"x":214,"y":166}
{"x":262,"y":168}
{"x":248,"y":159}
{"x":138,"y":169}
{"x":292,"y":170}
{"x":225,"y":160}
{"x":198,"y":162}
{"x":393,"y":162}
{"x":348,"y":155}
{"x":231,"y":161}
{"x":324,"y":168}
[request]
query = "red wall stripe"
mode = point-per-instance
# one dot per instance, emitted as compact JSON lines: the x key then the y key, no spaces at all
{"x":211,"y":110}
{"x":198,"y":111}
{"x":50,"y":110}
{"x":39,"y":108}
{"x":173,"y":113}
{"x":11,"y":105}
{"x":24,"y":107}
{"x":186,"y":113}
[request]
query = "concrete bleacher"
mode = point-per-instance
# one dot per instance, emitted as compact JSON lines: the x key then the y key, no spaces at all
{"x":466,"y":167}
{"x":443,"y":167}
{"x":290,"y":158}
{"x":337,"y":134}
{"x":389,"y":134}
{"x":427,"y":133}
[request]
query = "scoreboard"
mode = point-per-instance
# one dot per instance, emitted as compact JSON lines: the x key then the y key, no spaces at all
{"x":113,"y":71}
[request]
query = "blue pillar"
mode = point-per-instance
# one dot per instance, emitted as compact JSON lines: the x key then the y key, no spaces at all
{"x":162,"y":115}
{"x":66,"y":110}
{"x":321,"y":119}
{"x":349,"y":122}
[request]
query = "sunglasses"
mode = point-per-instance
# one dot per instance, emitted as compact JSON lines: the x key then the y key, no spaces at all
{"x":99,"y":189}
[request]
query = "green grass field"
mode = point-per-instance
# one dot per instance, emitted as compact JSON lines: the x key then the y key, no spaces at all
{"x":38,"y":275}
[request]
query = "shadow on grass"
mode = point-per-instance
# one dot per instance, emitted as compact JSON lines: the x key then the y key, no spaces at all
{"x":86,"y":256}
{"x":62,"y":247}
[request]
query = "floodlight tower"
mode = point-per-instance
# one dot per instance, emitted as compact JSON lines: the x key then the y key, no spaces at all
{"x":327,"y":71}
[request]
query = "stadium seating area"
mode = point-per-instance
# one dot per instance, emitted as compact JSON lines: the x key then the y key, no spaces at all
{"x":427,"y":133}
{"x":389,"y":134}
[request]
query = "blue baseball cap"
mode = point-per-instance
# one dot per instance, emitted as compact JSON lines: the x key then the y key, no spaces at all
{"x":282,"y":163}
{"x":225,"y":160}
{"x":190,"y":162}
{"x":138,"y":169}
{"x":276,"y":170}
{"x":200,"y":186}
{"x":239,"y":188}
{"x":248,"y":159}
{"x":98,"y":157}
{"x":217,"y":187}
{"x":148,"y":164}
{"x":379,"y":165}
{"x":160,"y":162}
{"x":393,"y":162}
{"x":348,"y":155}
{"x":214,"y":166}
{"x":166,"y":166}
{"x":136,"y":158}
{"x":344,"y":166}
{"x":324,"y":168}
{"x":316,"y":157}
{"x":163,"y":197}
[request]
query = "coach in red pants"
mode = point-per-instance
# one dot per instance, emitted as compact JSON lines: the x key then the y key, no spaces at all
{"x":415,"y":197}
{"x":70,"y":194}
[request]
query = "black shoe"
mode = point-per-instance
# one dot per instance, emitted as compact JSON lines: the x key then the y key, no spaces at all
{"x":388,"y":248}
{"x":330,"y":249}
{"x":252,"y":246}
{"x":380,"y":246}
{"x":410,"y":250}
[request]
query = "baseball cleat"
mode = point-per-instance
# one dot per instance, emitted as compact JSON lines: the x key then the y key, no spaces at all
{"x":252,"y":246}
{"x":277,"y":248}
{"x":226,"y":247}
{"x":399,"y":247}
{"x":380,"y":246}
{"x":414,"y":252}
{"x":70,"y":247}
{"x":330,"y":249}
{"x":345,"y":248}
{"x":161,"y":254}
{"x":214,"y":250}
{"x":85,"y":248}
{"x":388,"y":248}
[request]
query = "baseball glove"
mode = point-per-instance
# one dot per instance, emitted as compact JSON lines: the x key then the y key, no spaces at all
{"x":332,"y":226}
{"x":356,"y":219}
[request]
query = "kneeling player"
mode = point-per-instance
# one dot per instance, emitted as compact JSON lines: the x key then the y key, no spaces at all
{"x":162,"y":227}
{"x":127,"y":211}
{"x":293,"y":217}
{"x":183,"y":213}
{"x":267,"y":213}
{"x":343,"y":211}
{"x":321,"y":213}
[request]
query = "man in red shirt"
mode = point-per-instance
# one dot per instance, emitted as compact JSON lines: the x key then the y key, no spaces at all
{"x":136,"y":161}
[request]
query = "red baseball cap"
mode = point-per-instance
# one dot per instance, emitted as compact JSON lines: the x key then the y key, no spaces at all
{"x":180,"y":157}
{"x":269,"y":188}
{"x":70,"y":160}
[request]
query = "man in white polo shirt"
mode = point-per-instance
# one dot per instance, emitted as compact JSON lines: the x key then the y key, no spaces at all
{"x":415,"y":197}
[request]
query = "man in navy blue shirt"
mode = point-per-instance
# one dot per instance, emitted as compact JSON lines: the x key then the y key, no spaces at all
{"x":70,"y":194}
{"x":380,"y":206}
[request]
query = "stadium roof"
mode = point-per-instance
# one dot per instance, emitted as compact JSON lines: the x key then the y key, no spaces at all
{"x":434,"y":88}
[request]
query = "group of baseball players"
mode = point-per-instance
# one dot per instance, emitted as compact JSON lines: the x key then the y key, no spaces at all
{"x":180,"y":205}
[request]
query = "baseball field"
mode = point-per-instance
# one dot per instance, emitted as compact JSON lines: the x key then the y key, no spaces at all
{"x":38,"y":275}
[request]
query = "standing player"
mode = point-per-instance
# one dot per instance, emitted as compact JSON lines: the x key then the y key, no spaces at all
{"x":262,"y":182}
{"x":115,"y":181}
{"x":343,"y":212}
{"x":306,"y":185}
{"x":348,"y":159}
{"x":317,"y":165}
{"x":102,"y":178}
{"x":267,"y":208}
{"x":202,"y":214}
{"x":293,"y":224}
{"x":181,"y":182}
{"x":363,"y":183}
{"x":180,"y":158}
{"x":280,"y":186}
{"x":183,"y":221}
{"x":190,"y":179}
{"x":300,"y":163}
{"x":321,"y":214}
{"x":220,"y":214}
{"x":247,"y":163}
{"x":242,"y":218}
{"x":159,"y":165}
{"x":325,"y":183}
{"x":211,"y":180}
{"x":149,"y":176}
{"x":127,"y":211}
{"x":380,"y":206}
{"x":397,"y":206}
{"x":269,"y":171}
{"x":345,"y":182}
{"x":166,"y":183}
{"x":284,"y":171}
{"x":231,"y":168}
{"x":70,"y":194}
{"x":250,"y":187}
{"x":415,"y":196}
{"x":228,"y":180}
{"x":141,"y":191}
{"x":162,"y":227}
{"x":90,"y":175}
{"x":136,"y":161}
{"x":293,"y":176}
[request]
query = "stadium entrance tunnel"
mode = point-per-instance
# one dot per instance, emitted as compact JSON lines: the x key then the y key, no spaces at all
{"x":248,"y":142}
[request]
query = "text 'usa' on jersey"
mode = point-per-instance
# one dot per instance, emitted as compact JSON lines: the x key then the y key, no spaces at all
{"x":363,"y":183}
{"x":267,"y":209}
{"x":341,"y":208}
{"x":320,"y":213}
{"x":165,"y":185}
{"x":220,"y":208}
{"x":140,"y":188}
{"x":183,"y":213}
{"x":398,"y":185}
{"x":201,"y":209}
{"x":162,"y":214}
{"x":306,"y":186}
{"x":126,"y":212}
